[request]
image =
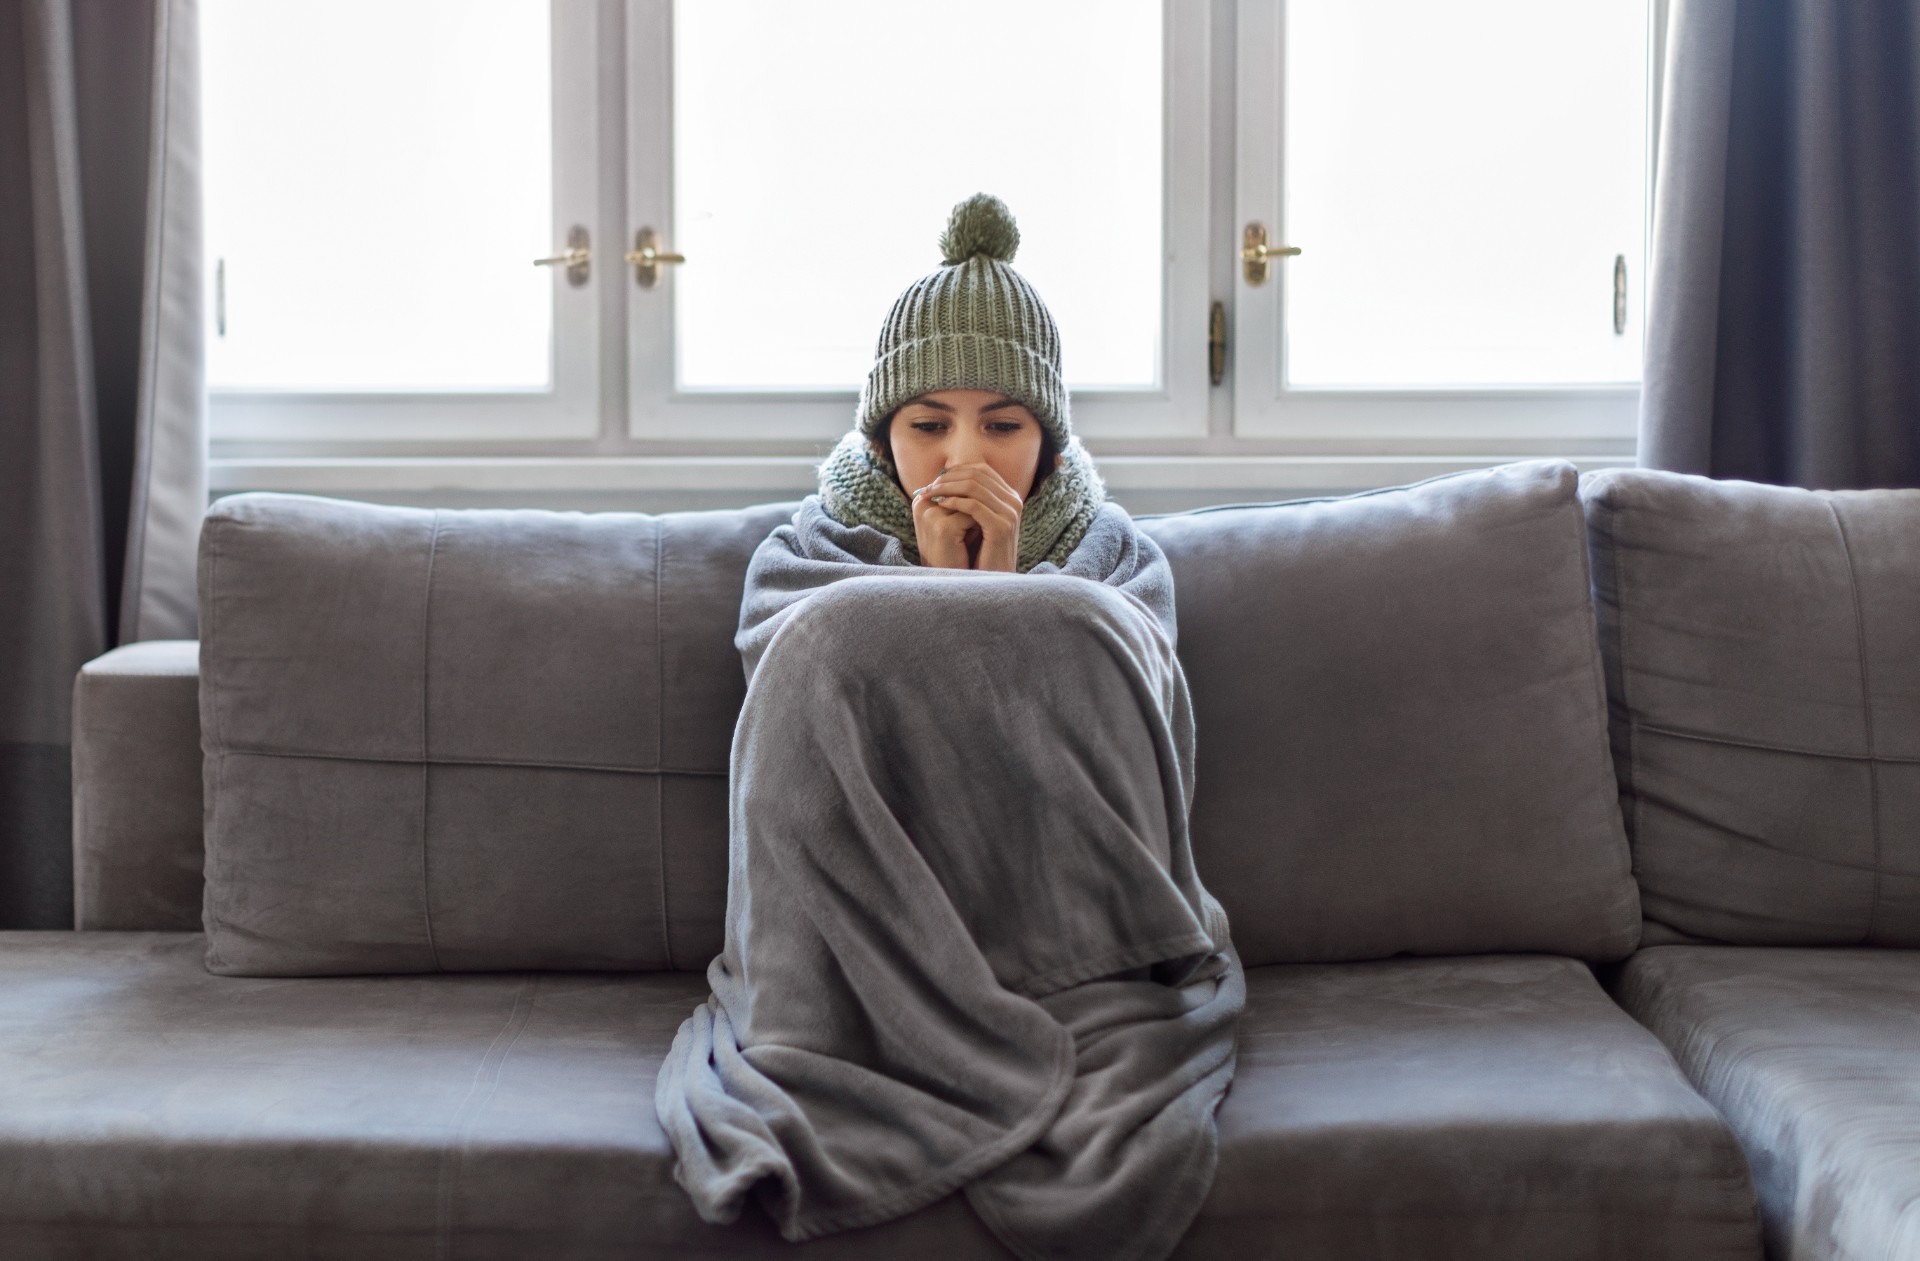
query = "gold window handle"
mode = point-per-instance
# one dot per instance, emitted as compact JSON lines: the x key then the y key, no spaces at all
{"x":1258,"y":255}
{"x":578,"y":260}
{"x":647,"y":257}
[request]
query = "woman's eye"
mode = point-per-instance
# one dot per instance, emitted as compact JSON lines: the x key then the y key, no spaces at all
{"x":928,"y":426}
{"x":1006,"y":426}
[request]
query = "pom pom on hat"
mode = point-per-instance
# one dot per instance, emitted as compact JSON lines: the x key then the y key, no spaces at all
{"x":981,"y":224}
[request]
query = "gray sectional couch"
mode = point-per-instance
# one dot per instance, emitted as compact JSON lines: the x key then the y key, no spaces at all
{"x":396,"y":885}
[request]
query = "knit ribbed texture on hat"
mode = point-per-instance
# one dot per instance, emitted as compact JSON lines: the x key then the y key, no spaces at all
{"x":975,"y":324}
{"x":858,"y":486}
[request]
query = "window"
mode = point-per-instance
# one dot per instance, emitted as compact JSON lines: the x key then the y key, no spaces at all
{"x":379,"y":175}
{"x":410,"y":181}
{"x":1466,"y":183}
{"x":804,"y":205}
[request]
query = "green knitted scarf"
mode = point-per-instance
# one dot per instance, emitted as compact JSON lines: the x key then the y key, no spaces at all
{"x":858,"y":486}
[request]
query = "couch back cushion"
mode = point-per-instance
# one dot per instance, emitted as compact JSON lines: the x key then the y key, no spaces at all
{"x":1762,"y":646}
{"x":470,"y":740}
{"x":467,"y":740}
{"x":1401,"y":722}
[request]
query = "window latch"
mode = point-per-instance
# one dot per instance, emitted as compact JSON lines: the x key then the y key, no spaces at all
{"x":1257,"y":254}
{"x":646,"y":257}
{"x":1217,"y":343}
{"x":1619,"y":294}
{"x":578,"y":260}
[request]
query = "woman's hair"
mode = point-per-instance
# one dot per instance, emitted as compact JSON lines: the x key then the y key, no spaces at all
{"x":1049,"y":449}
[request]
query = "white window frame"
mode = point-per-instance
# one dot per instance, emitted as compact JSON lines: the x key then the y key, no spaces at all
{"x":1589,"y":418}
{"x":615,"y":435}
{"x":657,"y":411}
{"x":570,"y":406}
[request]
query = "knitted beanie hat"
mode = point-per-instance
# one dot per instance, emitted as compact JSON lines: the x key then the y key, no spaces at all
{"x":973,"y":324}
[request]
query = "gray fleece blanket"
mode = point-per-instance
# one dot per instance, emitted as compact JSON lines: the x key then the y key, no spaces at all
{"x":966,"y":947}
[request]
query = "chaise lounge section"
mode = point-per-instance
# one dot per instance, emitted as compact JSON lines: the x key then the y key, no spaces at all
{"x":1762,"y":647}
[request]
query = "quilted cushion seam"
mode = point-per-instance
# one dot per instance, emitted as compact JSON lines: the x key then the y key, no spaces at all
{"x":522,"y":764}
{"x":426,"y":769}
{"x":1866,"y":718}
{"x":660,"y":742}
{"x":1768,"y":746}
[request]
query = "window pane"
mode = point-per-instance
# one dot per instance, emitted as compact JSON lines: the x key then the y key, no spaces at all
{"x":819,"y":147}
{"x":378,"y":180}
{"x":1461,"y":177}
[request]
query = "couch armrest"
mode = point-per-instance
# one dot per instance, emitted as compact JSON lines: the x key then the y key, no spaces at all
{"x":136,"y":788}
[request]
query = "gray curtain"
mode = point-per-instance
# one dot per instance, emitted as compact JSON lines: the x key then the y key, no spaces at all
{"x":102,"y":418}
{"x":1783,"y":335}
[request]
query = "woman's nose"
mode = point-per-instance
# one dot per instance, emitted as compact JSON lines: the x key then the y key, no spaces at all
{"x":966,"y":449}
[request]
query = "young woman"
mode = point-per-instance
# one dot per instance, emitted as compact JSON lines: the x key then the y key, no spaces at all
{"x":966,"y":946}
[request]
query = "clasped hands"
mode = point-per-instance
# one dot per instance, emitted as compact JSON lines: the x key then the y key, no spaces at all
{"x":967,"y":517}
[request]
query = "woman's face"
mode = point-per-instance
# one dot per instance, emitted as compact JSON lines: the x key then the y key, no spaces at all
{"x":949,"y":427}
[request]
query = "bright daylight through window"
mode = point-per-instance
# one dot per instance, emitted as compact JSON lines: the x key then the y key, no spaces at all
{"x":809,"y":197}
{"x":1467,"y":181}
{"x":378,"y":173}
{"x":1462,"y":179}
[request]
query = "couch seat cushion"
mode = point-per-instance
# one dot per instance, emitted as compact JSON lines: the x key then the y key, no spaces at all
{"x":1485,"y":1108}
{"x":1814,"y":1058}
{"x":151,"y":1109}
{"x":1469,"y":1109}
